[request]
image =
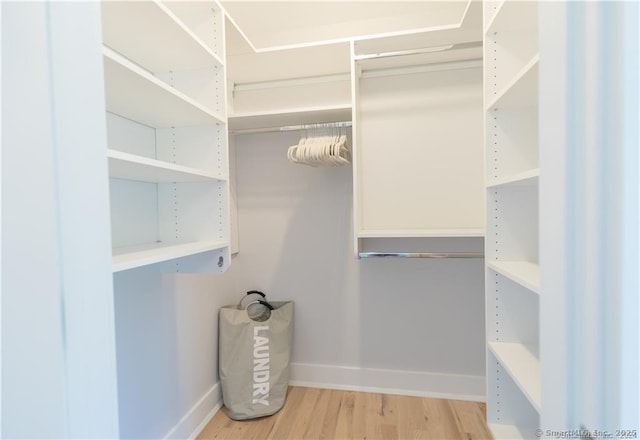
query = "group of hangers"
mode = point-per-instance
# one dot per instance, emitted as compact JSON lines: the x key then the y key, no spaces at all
{"x":322,"y":146}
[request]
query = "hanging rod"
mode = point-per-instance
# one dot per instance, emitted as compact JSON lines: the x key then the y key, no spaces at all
{"x":424,"y":50}
{"x":283,"y":83}
{"x":439,"y":255}
{"x":292,"y":127}
{"x":422,"y":68}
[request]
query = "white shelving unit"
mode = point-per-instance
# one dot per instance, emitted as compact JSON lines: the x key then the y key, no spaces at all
{"x":167,"y":134}
{"x":296,"y":86}
{"x":285,"y":118}
{"x":511,"y":245}
{"x":134,"y":93}
{"x":522,"y":365}
{"x":138,"y":256}
{"x":180,"y":48}
{"x":529,"y":177}
{"x":522,"y":272}
{"x":131,"y":167}
{"x":413,"y":94}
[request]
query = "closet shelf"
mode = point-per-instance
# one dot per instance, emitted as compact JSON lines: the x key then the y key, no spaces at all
{"x":286,"y":117}
{"x":521,"y":91}
{"x":137,"y":256}
{"x":506,"y":431}
{"x":523,"y":367}
{"x":135,"y":94}
{"x":522,"y":272}
{"x":514,"y":16}
{"x":132,"y":167}
{"x":152,"y":35}
{"x":417,"y":233}
{"x":529,"y":177}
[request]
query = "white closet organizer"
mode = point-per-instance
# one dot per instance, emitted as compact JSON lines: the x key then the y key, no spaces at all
{"x":511,"y":246}
{"x":167,"y":134}
{"x":418,"y":155}
{"x":287,"y":87}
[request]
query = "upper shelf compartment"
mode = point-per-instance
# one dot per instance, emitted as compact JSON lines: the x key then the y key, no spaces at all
{"x":135,"y":94}
{"x":153,"y":35}
{"x":513,"y":16}
{"x":522,"y":90}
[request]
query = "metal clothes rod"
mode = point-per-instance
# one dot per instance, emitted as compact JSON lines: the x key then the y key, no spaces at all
{"x":440,"y":255}
{"x":292,"y":127}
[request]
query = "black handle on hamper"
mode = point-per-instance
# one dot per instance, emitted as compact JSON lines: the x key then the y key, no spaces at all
{"x":266,"y":304}
{"x":256,"y":291}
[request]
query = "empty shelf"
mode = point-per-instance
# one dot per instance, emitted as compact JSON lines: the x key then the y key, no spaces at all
{"x":529,"y":177}
{"x":280,"y":118}
{"x":522,"y":90}
{"x":522,"y":366}
{"x":522,"y":272}
{"x":132,"y":167}
{"x":135,"y":94}
{"x":510,"y":432}
{"x":137,"y":256}
{"x":152,"y":35}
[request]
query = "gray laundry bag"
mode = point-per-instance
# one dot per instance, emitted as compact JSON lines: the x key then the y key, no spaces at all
{"x":254,"y":360}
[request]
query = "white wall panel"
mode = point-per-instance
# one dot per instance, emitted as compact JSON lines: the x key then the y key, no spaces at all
{"x":420,"y":153}
{"x":58,"y":345}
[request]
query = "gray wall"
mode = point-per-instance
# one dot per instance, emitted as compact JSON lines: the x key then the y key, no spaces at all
{"x":295,"y":243}
{"x":166,"y":339}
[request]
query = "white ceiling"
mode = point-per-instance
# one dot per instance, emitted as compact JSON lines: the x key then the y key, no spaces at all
{"x":285,"y":48}
{"x":273,"y":25}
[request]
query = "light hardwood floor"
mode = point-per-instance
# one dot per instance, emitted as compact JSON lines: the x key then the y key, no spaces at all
{"x":311,"y":413}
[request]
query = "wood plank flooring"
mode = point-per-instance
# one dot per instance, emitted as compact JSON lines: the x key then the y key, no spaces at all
{"x":311,"y":413}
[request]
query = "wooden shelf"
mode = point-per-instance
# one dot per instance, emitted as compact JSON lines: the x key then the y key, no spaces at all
{"x":529,"y":177}
{"x":144,"y":255}
{"x":135,"y":94}
{"x":523,"y":367}
{"x":514,"y":16}
{"x":421,"y":233}
{"x":132,"y":167}
{"x":289,"y":117}
{"x":152,"y":35}
{"x":521,"y":91}
{"x":522,"y":272}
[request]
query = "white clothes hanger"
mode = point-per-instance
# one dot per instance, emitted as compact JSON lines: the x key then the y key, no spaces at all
{"x":321,"y":146}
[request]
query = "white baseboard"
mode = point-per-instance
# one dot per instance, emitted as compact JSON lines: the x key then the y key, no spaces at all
{"x":373,"y":380}
{"x":194,"y":421}
{"x":407,"y":383}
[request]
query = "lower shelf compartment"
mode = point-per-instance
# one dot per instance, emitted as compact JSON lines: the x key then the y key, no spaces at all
{"x":524,"y":273}
{"x":523,"y":367}
{"x":143,"y":255}
{"x":506,"y":431}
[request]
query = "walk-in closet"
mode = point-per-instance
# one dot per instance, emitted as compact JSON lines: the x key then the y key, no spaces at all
{"x":446,"y":190}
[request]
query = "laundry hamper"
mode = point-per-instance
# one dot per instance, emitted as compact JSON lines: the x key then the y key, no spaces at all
{"x":254,"y":360}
